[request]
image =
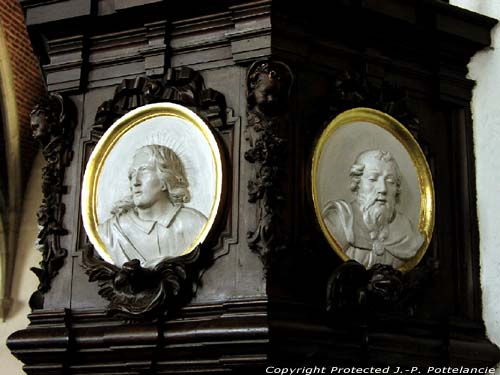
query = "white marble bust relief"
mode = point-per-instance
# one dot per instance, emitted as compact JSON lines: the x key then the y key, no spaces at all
{"x":152,"y":223}
{"x":370,"y":228}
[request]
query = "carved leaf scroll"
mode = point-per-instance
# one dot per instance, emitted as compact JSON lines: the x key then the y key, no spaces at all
{"x":352,"y":289}
{"x":353,"y":90}
{"x":180,"y":85}
{"x":269,"y":86}
{"x":52,"y":126}
{"x":134,"y":291}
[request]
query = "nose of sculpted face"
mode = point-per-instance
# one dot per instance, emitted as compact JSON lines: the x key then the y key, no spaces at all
{"x":133,"y":179}
{"x":140,"y":162}
{"x":381,"y":185}
{"x":135,"y":186}
{"x":381,"y":189}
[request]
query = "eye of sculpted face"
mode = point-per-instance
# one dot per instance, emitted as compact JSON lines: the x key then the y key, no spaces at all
{"x":145,"y":185}
{"x":378,"y":183}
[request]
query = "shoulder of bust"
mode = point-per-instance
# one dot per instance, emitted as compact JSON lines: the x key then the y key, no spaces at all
{"x":402,"y":221}
{"x":191,"y":216}
{"x":335,"y":207}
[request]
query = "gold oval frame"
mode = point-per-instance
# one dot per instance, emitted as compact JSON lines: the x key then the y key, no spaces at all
{"x":112,"y":136}
{"x":397,"y":130}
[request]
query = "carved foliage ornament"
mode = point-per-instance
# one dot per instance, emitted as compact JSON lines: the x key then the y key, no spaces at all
{"x":135,"y":281}
{"x":268,"y":85}
{"x":52,"y":127}
{"x":353,"y":90}
{"x":353,"y":290}
{"x":134,"y":291}
{"x":179,"y":85}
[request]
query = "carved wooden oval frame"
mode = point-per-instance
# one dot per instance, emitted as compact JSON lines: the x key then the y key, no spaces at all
{"x":141,"y":117}
{"x":393,"y":129}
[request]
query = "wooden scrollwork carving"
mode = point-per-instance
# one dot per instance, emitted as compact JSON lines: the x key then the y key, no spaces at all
{"x":52,"y":126}
{"x":133,"y":290}
{"x":269,"y":85}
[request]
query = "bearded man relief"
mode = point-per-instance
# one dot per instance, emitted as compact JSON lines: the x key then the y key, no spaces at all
{"x":370,"y":228}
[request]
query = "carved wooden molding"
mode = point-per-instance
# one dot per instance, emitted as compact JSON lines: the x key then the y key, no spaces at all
{"x":178,"y":345}
{"x":133,"y":291}
{"x":269,"y":85}
{"x":229,"y":235}
{"x":52,"y":124}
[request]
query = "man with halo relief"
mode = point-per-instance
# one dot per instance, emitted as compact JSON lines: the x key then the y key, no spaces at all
{"x":152,"y":223}
{"x":370,"y":229}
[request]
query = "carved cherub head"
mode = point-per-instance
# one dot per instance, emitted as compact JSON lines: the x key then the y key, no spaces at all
{"x":42,"y":121}
{"x":268,"y":87}
{"x":46,"y":119}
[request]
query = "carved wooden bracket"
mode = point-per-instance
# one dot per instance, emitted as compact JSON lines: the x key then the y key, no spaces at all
{"x":135,"y":292}
{"x":269,"y":85}
{"x":52,"y":126}
{"x":352,"y":289}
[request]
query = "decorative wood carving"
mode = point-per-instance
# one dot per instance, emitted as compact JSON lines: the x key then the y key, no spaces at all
{"x":351,"y":286}
{"x":133,"y":291}
{"x":354,"y":289}
{"x":52,"y":127}
{"x":353,"y":90}
{"x":179,"y":85}
{"x":269,"y":85}
{"x":207,"y":338}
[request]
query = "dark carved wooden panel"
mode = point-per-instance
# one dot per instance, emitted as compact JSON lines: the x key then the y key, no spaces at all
{"x":206,"y":338}
{"x":408,"y":58}
{"x":133,"y":291}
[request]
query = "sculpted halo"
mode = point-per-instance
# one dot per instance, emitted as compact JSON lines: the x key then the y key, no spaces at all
{"x":169,"y":125}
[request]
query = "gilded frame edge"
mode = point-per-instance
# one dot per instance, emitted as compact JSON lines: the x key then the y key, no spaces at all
{"x":426,"y":185}
{"x":109,"y":139}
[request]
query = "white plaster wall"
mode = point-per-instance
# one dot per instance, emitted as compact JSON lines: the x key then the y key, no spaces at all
{"x":484,"y":68}
{"x":25,"y":281}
